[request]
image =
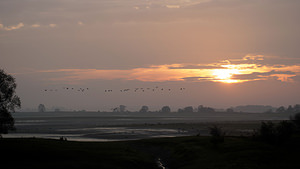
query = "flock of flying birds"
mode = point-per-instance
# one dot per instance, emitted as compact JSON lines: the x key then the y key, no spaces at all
{"x":68,"y":88}
{"x":155,"y":89}
{"x":144,"y":89}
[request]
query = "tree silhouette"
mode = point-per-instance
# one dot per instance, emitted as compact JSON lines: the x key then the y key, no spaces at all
{"x":122,"y":108}
{"x":42,"y":108}
{"x":229,"y":110}
{"x":144,"y":109}
{"x":297,"y":108}
{"x":217,"y":135}
{"x":276,"y":133}
{"x":203,"y":109}
{"x":188,"y":109}
{"x":281,"y":109}
{"x":166,"y":109}
{"x":8,"y":102}
{"x":290,"y":109}
{"x":296,"y":120}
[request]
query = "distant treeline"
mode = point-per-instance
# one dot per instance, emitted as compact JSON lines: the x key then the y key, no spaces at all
{"x":204,"y":109}
{"x":267,"y":109}
{"x":289,"y":109}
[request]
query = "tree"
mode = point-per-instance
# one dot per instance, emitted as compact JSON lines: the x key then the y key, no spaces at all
{"x":203,"y":109}
{"x":290,"y":109}
{"x":267,"y":132}
{"x":8,"y":101}
{"x":217,"y":135}
{"x":278,"y":134}
{"x":200,"y":108}
{"x":166,"y":109}
{"x":296,"y":120}
{"x":122,"y":108}
{"x":41,"y":108}
{"x":285,"y":130}
{"x":144,"y":109}
{"x":116,"y":109}
{"x":297,"y":108}
{"x":229,"y":110}
{"x":281,"y":109}
{"x":188,"y":109}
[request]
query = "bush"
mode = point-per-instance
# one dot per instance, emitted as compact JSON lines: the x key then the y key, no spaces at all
{"x":284,"y":131}
{"x":296,"y":120}
{"x":267,"y":131}
{"x":278,"y":134}
{"x":217,"y":135}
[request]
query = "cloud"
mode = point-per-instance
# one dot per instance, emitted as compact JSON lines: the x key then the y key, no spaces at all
{"x":253,"y":57}
{"x":35,"y":25}
{"x":173,"y":6}
{"x":52,"y":25}
{"x":279,"y":75}
{"x":199,"y":78}
{"x":12,"y":27}
{"x":225,"y":72}
{"x":197,"y":67}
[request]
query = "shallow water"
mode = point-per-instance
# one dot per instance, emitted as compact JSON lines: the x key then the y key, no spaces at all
{"x":95,"y":126}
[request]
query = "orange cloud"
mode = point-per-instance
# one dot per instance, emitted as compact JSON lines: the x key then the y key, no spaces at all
{"x":13,"y":27}
{"x":223,"y":71}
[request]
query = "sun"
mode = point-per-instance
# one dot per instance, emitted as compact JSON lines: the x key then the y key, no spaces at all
{"x":224,"y":75}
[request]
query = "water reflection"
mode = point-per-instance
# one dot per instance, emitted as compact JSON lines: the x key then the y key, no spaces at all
{"x":95,"y":126}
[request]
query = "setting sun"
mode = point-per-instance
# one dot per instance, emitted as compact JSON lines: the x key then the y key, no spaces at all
{"x":224,"y":75}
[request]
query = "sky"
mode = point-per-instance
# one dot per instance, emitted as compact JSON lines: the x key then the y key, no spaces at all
{"x":222,"y":52}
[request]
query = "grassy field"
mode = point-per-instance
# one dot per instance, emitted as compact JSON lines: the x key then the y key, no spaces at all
{"x":180,"y":152}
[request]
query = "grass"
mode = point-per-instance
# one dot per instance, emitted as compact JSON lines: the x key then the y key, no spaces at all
{"x":180,"y":152}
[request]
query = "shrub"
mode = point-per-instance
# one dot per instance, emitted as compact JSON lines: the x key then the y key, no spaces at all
{"x":284,"y":131}
{"x":278,"y":134}
{"x":217,"y":135}
{"x":267,"y":131}
{"x":296,"y":120}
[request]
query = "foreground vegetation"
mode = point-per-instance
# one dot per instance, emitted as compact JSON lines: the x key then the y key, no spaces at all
{"x":180,"y":152}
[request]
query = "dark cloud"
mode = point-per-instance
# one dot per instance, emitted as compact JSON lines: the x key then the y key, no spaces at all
{"x":197,"y":67}
{"x":259,"y":75}
{"x":198,"y":78}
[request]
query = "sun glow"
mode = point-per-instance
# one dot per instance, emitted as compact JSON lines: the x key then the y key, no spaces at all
{"x":224,"y":75}
{"x":221,"y":72}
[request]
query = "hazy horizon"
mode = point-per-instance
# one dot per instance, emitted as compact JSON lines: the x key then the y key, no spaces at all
{"x":222,"y":52}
